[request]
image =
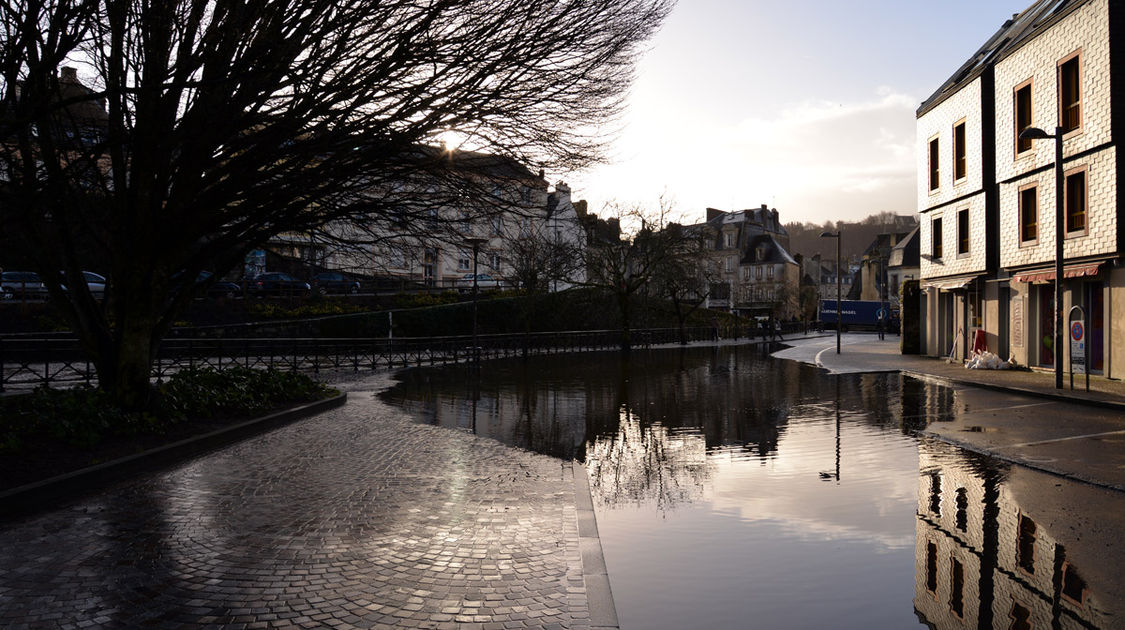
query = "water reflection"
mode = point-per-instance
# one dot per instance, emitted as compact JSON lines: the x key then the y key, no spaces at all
{"x":731,"y":486}
{"x":1002,"y":546}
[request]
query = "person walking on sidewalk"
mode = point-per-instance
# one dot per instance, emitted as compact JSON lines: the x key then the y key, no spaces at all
{"x":775,"y":330}
{"x":882,"y":324}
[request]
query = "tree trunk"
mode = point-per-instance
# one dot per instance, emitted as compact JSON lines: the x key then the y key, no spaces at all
{"x":623,"y":304}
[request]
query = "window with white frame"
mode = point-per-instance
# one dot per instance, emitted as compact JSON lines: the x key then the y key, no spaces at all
{"x":494,"y":261}
{"x":464,"y":260}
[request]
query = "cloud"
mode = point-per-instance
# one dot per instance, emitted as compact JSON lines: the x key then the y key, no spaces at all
{"x":859,"y":154}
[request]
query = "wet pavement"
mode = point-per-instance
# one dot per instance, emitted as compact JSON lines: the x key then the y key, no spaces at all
{"x":362,"y":518}
{"x":1013,"y":415}
{"x":357,"y":518}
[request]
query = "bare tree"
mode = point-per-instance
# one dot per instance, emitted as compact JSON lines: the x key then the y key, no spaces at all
{"x":211,"y":125}
{"x":685,"y":278}
{"x":624,"y":264}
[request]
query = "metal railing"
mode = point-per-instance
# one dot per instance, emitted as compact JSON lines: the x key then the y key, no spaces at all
{"x":29,"y":362}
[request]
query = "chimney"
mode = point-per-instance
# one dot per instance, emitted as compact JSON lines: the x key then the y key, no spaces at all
{"x":712,"y":213}
{"x":68,"y":74}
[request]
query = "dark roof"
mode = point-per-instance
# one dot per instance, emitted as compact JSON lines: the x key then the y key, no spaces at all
{"x":905,"y":253}
{"x":773,"y":253}
{"x":1012,"y":34}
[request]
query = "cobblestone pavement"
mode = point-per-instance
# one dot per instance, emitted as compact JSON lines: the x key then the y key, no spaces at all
{"x":356,"y":518}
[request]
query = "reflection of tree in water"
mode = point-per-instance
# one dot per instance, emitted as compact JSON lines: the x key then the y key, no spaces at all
{"x":647,"y":464}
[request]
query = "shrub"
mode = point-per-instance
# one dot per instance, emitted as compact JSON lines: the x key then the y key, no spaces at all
{"x":82,"y":417}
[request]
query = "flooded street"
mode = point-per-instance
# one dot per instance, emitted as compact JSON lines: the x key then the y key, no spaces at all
{"x":736,"y":490}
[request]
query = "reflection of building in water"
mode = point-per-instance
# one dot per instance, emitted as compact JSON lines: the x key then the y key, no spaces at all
{"x":995,"y":552}
{"x":647,"y":464}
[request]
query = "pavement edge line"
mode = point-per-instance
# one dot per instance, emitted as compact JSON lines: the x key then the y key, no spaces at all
{"x":599,"y":596}
{"x":39,"y":495}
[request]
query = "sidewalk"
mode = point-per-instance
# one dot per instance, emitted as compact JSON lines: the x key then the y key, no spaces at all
{"x":359,"y":517}
{"x":1013,"y":415}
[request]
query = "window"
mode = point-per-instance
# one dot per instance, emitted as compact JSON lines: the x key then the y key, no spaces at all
{"x":1073,"y":587}
{"x":935,"y":493}
{"x":957,"y":588}
{"x":745,"y":273}
{"x":963,"y":231}
{"x":931,"y":567}
{"x":758,"y":271}
{"x":730,"y":239}
{"x":962,"y":501}
{"x":769,"y":272}
{"x":1025,"y":544}
{"x":730,"y":264}
{"x":960,"y":167}
{"x":1070,"y":93}
{"x":494,"y":261}
{"x":935,"y":170}
{"x":1023,"y":115}
{"x":1029,"y":214}
{"x":498,"y":226}
{"x":1075,"y":187}
{"x":463,"y":260}
{"x":1020,"y":616}
{"x":936,"y":228}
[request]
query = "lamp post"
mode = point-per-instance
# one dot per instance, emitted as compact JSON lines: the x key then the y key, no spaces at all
{"x":1034,"y":133}
{"x":475,"y":243}
{"x":839,"y":315}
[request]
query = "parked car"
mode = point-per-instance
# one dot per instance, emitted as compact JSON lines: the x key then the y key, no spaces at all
{"x":332,"y":282}
{"x":219,"y":288}
{"x":484,"y":281}
{"x":276,"y":283}
{"x":25,"y":285}
{"x":95,"y":282}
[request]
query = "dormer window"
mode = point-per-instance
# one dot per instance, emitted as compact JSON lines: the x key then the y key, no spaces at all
{"x":760,"y":253}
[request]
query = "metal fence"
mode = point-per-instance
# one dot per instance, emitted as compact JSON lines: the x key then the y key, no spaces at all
{"x":28,"y":362}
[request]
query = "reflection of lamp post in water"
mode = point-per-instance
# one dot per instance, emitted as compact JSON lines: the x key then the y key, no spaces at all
{"x":827,"y":475}
{"x":839,"y":316}
{"x":475,"y":243}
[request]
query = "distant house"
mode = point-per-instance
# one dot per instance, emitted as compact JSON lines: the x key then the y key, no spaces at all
{"x":748,"y":255}
{"x":473,"y":217}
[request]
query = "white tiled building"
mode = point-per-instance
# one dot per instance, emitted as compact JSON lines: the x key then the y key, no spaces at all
{"x":988,"y":199}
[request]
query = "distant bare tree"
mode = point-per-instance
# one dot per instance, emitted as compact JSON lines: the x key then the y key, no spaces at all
{"x":625,"y":265}
{"x":213,"y":124}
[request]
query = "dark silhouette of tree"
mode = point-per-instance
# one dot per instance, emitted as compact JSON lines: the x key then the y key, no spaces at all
{"x":624,"y":264}
{"x":210,"y":125}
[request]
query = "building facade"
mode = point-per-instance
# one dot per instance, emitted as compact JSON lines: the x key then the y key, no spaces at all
{"x":747,"y":252}
{"x":987,"y":197}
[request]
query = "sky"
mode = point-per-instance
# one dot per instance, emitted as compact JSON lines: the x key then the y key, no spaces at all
{"x":807,"y":106}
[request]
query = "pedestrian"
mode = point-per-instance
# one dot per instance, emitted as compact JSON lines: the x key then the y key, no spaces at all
{"x":777,"y":330}
{"x":882,"y":315}
{"x":714,"y":329}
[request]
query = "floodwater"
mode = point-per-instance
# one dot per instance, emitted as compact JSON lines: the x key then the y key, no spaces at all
{"x":733,"y":490}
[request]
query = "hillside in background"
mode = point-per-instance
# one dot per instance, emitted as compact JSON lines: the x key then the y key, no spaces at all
{"x":804,"y":238}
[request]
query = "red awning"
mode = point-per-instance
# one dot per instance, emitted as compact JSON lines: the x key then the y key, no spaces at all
{"x":1048,"y":275}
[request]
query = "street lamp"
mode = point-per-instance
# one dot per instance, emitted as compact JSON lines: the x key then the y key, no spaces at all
{"x":1034,"y":133}
{"x":839,"y":316}
{"x":475,"y":242}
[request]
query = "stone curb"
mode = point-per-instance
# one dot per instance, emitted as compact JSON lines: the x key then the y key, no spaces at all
{"x":599,"y":597}
{"x":40,"y":495}
{"x":1037,"y":393}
